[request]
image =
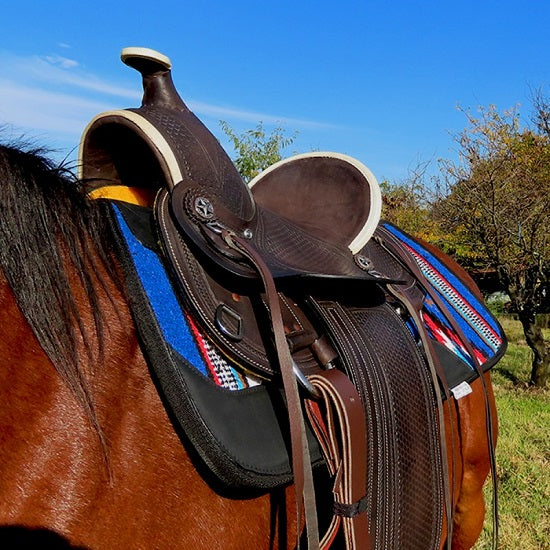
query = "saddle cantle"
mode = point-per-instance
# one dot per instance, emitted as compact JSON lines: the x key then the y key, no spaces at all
{"x":293,"y":278}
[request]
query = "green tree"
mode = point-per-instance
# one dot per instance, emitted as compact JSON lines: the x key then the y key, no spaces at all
{"x":255,"y":149}
{"x":405,"y":203}
{"x":497,"y":200}
{"x":541,"y":117}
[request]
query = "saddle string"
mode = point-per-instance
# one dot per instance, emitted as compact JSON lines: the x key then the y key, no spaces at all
{"x":413,"y":267}
{"x":301,"y":463}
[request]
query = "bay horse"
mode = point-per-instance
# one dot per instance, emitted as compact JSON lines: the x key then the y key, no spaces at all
{"x":89,"y":457}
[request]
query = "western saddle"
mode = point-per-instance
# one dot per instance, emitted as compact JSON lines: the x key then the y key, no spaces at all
{"x":294,"y":280}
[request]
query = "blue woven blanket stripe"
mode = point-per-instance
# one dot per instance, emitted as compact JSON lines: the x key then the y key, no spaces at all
{"x":470,"y":324}
{"x":474,"y":318}
{"x":177,"y":327}
{"x":440,"y":330}
{"x":435,"y":263}
{"x":478,"y":343}
{"x":167,"y":310}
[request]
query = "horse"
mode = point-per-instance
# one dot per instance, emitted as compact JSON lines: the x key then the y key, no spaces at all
{"x":89,"y":455}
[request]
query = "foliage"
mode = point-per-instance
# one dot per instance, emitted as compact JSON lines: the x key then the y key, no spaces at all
{"x":255,"y":149}
{"x":498,"y":303}
{"x":541,"y":117}
{"x":500,"y":192}
{"x":409,"y":205}
{"x":497,"y":202}
{"x":405,"y":204}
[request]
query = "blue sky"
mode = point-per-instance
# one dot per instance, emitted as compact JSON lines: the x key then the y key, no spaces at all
{"x":380,"y":81}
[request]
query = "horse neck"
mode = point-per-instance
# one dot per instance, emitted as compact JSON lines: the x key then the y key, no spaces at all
{"x":52,"y":469}
{"x":49,"y":431}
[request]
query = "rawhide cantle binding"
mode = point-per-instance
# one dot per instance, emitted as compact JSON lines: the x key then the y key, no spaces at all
{"x":288,"y":282}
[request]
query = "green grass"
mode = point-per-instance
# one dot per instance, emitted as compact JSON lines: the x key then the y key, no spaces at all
{"x":523,"y":452}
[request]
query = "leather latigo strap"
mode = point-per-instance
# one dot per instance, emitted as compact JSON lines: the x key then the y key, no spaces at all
{"x":301,"y":464}
{"x":338,"y":419}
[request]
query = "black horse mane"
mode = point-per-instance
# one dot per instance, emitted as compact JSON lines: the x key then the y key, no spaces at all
{"x":46,"y":226}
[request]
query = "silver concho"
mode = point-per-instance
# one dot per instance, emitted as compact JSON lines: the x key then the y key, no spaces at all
{"x":363,"y":262}
{"x":204,"y":208}
{"x":367,"y":265}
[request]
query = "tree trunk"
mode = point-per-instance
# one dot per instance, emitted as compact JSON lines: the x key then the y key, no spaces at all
{"x":541,"y":349}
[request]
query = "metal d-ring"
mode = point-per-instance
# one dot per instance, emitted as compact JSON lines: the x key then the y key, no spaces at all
{"x":223,"y":310}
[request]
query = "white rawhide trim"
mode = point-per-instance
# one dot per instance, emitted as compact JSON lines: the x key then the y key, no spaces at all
{"x":155,"y":138}
{"x":145,"y":53}
{"x":366,"y":232}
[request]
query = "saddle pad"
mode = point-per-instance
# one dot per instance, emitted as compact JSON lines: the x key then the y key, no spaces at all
{"x":477,"y":323}
{"x":229,"y":419}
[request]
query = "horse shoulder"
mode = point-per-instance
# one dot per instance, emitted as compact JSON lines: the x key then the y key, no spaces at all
{"x":146,"y":491}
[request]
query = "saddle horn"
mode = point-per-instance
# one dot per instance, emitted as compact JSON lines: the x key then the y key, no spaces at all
{"x":156,"y":72}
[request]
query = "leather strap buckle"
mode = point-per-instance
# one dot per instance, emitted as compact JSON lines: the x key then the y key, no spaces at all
{"x":350,"y":510}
